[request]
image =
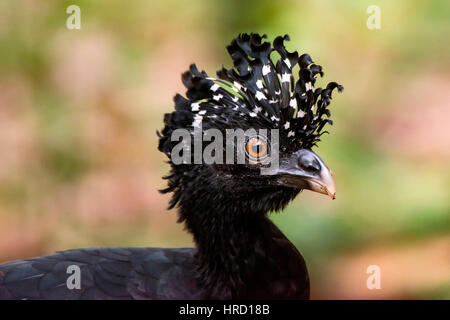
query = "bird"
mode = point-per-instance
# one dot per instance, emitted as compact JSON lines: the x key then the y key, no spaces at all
{"x":239,"y":252}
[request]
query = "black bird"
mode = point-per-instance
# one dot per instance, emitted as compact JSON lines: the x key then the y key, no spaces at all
{"x":239,"y":252}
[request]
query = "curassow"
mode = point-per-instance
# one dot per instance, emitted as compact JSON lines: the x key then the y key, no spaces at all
{"x":239,"y":253}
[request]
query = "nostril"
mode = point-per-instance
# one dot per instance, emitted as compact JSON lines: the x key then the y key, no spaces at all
{"x":311,"y":169}
{"x":309,"y":163}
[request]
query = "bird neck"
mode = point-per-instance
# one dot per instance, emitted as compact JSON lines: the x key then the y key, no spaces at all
{"x":241,"y":253}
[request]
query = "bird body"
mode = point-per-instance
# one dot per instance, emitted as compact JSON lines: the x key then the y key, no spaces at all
{"x":239,"y":252}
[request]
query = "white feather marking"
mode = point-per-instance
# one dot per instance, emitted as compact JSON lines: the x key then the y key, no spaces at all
{"x":218,"y":97}
{"x":197,"y":121}
{"x":293,"y":103}
{"x":195,"y":106}
{"x":202,"y":112}
{"x":259,"y":84}
{"x":300,"y":114}
{"x":265,"y":69}
{"x":259,"y":95}
{"x":286,"y":77}
{"x":308,"y":86}
{"x":291,"y":133}
{"x":287,"y":125}
{"x":214,"y":87}
{"x":252,"y":114}
{"x":288,"y":63}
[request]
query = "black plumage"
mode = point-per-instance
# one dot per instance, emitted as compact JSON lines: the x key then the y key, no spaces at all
{"x":239,"y":253}
{"x":108,"y":273}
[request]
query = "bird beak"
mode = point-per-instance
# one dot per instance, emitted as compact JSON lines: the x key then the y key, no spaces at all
{"x":306,"y":170}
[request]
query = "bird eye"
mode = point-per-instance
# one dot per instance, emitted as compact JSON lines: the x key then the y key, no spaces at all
{"x":256,"y":148}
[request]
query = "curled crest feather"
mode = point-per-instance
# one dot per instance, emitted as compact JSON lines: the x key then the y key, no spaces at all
{"x":257,"y":92}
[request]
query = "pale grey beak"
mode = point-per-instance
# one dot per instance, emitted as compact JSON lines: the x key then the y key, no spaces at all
{"x":306,"y":170}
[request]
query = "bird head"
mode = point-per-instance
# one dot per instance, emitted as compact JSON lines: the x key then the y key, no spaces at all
{"x":276,"y":120}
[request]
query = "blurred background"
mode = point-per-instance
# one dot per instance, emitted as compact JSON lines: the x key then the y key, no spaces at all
{"x":79,"y":109}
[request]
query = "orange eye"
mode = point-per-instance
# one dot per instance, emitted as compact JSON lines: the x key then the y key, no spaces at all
{"x":256,"y":148}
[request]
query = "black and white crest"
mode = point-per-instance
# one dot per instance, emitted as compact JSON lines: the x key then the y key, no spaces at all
{"x":258,"y":92}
